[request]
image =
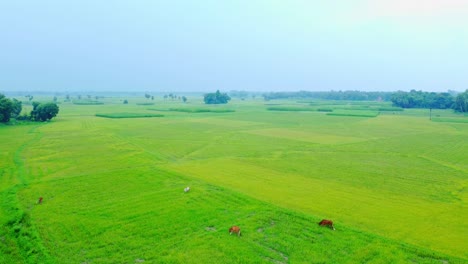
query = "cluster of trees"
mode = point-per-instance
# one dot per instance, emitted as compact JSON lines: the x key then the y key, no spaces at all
{"x":44,"y":111}
{"x":331,"y":95}
{"x":173,"y":96}
{"x":148,"y":96}
{"x":79,"y":97}
{"x":11,"y":108}
{"x":216,"y":98}
{"x":420,"y":99}
{"x":461,"y":102}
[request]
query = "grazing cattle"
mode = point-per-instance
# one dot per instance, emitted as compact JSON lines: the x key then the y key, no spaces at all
{"x":235,"y":229}
{"x":186,"y":189}
{"x":328,"y":223}
{"x":40,"y":200}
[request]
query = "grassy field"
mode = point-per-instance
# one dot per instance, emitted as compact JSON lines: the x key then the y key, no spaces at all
{"x":394,"y":182}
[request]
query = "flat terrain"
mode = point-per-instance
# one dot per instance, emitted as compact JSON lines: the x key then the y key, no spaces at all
{"x":394,"y":183}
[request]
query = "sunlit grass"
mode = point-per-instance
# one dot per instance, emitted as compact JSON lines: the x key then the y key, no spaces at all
{"x":113,"y":187}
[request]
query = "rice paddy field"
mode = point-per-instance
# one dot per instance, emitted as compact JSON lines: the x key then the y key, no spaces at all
{"x":112,"y":178}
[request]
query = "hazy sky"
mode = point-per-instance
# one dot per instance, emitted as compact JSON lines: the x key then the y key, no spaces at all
{"x":204,"y":45}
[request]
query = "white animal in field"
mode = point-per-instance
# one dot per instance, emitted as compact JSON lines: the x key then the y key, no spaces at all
{"x":187,"y":189}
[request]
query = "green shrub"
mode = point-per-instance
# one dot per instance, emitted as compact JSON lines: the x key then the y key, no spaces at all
{"x":325,"y":110}
{"x":86,"y":102}
{"x":390,"y":109}
{"x":128,"y":115}
{"x":289,"y":108}
{"x":368,"y":114}
{"x":200,"y":110}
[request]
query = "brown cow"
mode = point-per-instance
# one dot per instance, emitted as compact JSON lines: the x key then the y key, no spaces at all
{"x":328,"y":223}
{"x":40,"y":200}
{"x":235,"y":229}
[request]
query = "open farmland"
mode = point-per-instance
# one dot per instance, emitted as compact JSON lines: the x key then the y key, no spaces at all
{"x":394,"y":182}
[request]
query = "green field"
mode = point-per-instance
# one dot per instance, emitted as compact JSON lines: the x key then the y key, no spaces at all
{"x":394,"y":182}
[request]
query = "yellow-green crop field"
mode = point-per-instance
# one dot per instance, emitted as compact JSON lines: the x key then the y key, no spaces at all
{"x":112,"y":178}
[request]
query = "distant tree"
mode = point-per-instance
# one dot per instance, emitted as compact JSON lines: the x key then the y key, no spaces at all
{"x":184,"y":99}
{"x":35,"y":105}
{"x":55,"y":98}
{"x":125,"y":101}
{"x":67,"y":97}
{"x":17,"y":107}
{"x":461,"y":102}
{"x":44,"y":111}
{"x":6,"y":107}
{"x":152,"y":97}
{"x":216,"y":98}
{"x":147,"y":96}
{"x":240,"y":94}
{"x":24,"y":116}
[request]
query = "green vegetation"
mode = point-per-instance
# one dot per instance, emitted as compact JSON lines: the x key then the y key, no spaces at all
{"x":289,"y":108}
{"x":420,"y":99}
{"x":201,"y":110}
{"x":194,"y":110}
{"x":9,"y":108}
{"x":325,"y":109}
{"x":128,"y":115}
{"x":87,"y":102}
{"x":461,"y":102}
{"x":390,"y":109}
{"x":44,"y":111}
{"x":216,"y":98}
{"x":331,"y":95}
{"x":453,"y":120}
{"x":355,"y":113}
{"x":412,"y":99}
{"x":343,"y":109}
{"x":6,"y":108}
{"x":393,"y":183}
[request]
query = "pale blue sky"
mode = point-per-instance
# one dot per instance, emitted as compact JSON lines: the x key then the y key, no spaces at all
{"x":261,"y":45}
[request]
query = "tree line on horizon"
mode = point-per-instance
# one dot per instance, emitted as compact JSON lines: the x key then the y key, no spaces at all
{"x":330,"y":95}
{"x":412,"y":99}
